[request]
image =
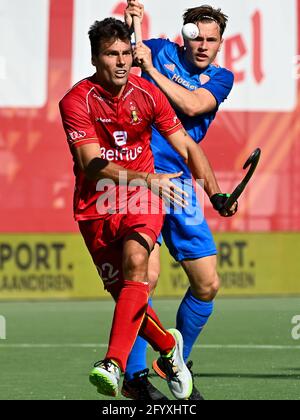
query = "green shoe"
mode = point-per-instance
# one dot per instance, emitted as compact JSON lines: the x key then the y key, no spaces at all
{"x":105,"y":377}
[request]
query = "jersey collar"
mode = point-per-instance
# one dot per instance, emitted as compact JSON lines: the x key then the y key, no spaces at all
{"x":104,"y":93}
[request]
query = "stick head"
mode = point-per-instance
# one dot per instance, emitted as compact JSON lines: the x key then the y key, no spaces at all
{"x":253,"y":159}
{"x":252,"y":162}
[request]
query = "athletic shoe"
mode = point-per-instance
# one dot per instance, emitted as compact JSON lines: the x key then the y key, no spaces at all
{"x":195,"y":395}
{"x":158,"y":367}
{"x":140,"y":388}
{"x":177,"y":374}
{"x":106,"y":376}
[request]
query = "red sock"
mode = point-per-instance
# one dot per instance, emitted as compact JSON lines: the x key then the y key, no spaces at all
{"x":128,"y":316}
{"x":153,"y":332}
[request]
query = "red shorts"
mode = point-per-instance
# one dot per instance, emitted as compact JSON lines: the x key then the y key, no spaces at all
{"x":104,"y":239}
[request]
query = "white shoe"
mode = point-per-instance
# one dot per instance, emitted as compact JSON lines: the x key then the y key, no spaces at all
{"x":178,"y":375}
{"x":106,"y":376}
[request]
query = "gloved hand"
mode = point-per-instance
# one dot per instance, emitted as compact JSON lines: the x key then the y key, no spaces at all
{"x":218,"y":201}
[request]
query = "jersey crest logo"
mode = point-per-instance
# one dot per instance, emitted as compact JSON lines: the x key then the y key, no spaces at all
{"x":170,"y":67}
{"x":135,"y":120}
{"x":204,"y":78}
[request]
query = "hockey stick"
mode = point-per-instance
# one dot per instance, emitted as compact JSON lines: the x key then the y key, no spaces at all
{"x":137,"y":29}
{"x":252,"y":162}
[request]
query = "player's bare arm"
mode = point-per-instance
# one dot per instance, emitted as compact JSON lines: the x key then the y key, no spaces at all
{"x":95,"y":168}
{"x":199,"y":165}
{"x":196,"y":159}
{"x":191,"y":103}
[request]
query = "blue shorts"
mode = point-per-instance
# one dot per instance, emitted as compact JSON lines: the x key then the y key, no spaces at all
{"x":185,"y":231}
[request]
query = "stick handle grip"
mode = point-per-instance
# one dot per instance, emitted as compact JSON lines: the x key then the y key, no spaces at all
{"x":137,"y":29}
{"x":234,"y":196}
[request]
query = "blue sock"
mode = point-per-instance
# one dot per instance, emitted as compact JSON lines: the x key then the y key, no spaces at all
{"x":137,"y":359}
{"x":192,"y":315}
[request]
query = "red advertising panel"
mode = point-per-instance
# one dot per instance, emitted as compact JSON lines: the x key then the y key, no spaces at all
{"x":36,"y":179}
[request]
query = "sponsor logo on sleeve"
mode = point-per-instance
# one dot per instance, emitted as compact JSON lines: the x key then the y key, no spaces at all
{"x":77,"y":135}
{"x":204,"y":78}
{"x":170,"y":67}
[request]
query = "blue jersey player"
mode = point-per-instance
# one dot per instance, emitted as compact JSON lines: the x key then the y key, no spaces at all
{"x":195,"y":87}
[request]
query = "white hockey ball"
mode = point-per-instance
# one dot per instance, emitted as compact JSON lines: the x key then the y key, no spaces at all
{"x":190,"y":31}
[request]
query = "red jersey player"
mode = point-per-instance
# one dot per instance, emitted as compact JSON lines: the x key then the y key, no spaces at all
{"x":108,"y":119}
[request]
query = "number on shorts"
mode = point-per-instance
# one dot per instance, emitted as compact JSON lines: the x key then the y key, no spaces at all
{"x":108,"y":274}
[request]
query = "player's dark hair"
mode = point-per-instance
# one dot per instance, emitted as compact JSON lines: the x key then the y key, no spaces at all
{"x":106,"y":30}
{"x":206,"y":14}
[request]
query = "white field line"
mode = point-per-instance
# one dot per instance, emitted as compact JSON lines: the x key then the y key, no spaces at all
{"x":101,"y":345}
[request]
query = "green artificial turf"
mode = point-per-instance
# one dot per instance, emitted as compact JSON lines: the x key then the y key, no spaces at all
{"x":246,"y":351}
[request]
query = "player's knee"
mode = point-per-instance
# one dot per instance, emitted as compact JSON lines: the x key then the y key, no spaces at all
{"x":207,"y":290}
{"x":214,"y":286}
{"x":136,"y":262}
